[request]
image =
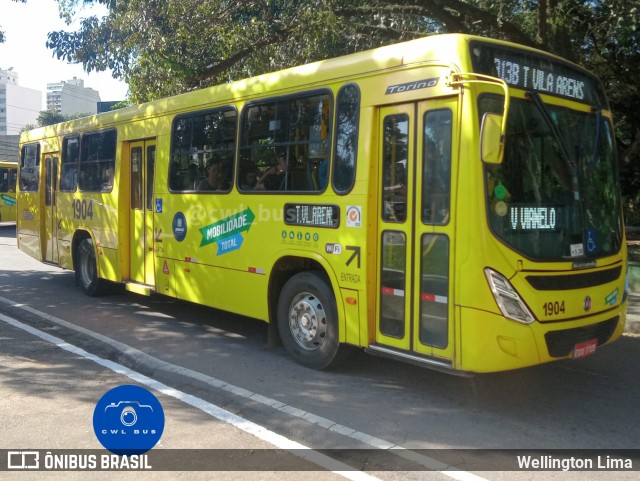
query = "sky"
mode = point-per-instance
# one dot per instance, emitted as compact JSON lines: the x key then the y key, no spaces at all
{"x":26,"y":26}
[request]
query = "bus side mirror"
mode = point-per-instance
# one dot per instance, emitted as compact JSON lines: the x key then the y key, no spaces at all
{"x":491,"y":139}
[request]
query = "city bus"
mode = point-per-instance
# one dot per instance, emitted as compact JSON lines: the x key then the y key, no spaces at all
{"x":451,"y":202}
{"x":8,"y":180}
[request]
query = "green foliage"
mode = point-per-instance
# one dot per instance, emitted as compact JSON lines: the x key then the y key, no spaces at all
{"x":50,"y":117}
{"x":165,"y":47}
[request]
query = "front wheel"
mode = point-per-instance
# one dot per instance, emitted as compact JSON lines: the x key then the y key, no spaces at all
{"x":308,"y":321}
{"x":87,"y":269}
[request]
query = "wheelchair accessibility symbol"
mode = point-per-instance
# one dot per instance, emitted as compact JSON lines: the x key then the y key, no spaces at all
{"x":591,"y":241}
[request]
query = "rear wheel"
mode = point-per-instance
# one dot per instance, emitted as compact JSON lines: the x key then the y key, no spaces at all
{"x":87,"y":269}
{"x":308,"y":321}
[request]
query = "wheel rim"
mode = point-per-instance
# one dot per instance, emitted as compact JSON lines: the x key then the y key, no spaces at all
{"x":307,"y":321}
{"x":87,"y":265}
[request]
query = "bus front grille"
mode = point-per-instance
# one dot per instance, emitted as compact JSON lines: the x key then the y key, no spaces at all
{"x":561,"y":343}
{"x":574,"y":281}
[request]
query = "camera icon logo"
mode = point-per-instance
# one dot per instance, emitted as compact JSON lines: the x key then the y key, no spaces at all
{"x":128,"y":415}
{"x":128,"y":420}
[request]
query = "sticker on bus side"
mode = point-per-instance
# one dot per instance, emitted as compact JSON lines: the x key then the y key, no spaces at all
{"x":354,"y":216}
{"x":226,"y":233}
{"x":179,"y":226}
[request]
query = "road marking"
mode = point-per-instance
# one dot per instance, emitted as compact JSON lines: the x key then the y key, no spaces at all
{"x":158,"y":364}
{"x":217,"y":412}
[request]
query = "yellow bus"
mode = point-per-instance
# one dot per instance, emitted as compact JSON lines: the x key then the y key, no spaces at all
{"x":8,"y":179}
{"x":450,"y":201}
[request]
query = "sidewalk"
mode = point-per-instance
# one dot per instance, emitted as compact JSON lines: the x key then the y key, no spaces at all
{"x":633,"y":315}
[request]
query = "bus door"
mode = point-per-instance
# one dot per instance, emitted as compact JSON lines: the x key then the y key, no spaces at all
{"x":415,"y":309}
{"x":50,"y":218}
{"x":142,"y":166}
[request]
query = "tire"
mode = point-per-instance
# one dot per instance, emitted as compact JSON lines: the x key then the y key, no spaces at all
{"x":308,"y":321}
{"x":87,"y":269}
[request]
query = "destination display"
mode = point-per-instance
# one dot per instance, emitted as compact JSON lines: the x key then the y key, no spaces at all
{"x":525,"y":218}
{"x":313,"y":215}
{"x":528,"y":71}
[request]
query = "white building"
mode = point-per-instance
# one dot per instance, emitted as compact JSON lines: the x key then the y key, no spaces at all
{"x":19,"y":106}
{"x":72,"y":97}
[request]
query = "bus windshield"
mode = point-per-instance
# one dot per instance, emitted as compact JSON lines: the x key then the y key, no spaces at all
{"x":555,"y":196}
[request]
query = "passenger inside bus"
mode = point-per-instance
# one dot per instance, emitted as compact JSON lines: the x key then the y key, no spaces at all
{"x":274,"y":177}
{"x":214,"y":179}
{"x":249,"y":181}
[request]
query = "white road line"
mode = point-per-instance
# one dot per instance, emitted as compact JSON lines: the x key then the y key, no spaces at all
{"x":158,"y":364}
{"x":217,"y":412}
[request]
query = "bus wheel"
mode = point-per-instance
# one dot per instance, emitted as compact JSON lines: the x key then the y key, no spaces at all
{"x":87,"y":269}
{"x":308,"y":321}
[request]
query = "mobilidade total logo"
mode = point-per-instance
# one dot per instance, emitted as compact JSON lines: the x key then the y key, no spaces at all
{"x":128,"y":420}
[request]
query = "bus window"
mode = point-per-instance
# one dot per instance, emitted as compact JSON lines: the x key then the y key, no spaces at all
{"x":437,"y":167}
{"x":200,"y":140}
{"x":69,"y":168}
{"x":284,"y":143}
{"x":97,"y":161}
{"x":346,"y":146}
{"x":151,"y":169}
{"x":394,"y":165}
{"x":4,"y":180}
{"x":30,"y":168}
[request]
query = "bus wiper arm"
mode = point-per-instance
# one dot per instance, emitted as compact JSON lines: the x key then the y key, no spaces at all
{"x":537,"y":101}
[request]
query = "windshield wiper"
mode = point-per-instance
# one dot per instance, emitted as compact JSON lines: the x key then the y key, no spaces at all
{"x":564,"y":152}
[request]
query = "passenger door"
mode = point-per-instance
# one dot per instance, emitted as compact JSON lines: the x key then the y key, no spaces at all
{"x":415,"y":308}
{"x":50,"y":218}
{"x":142,"y":170}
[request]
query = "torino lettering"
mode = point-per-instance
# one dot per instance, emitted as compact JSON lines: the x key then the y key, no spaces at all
{"x":533,"y":218}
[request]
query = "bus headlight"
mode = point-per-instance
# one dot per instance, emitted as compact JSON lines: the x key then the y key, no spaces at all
{"x":507,"y":298}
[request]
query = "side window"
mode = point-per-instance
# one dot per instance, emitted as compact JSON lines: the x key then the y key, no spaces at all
{"x":346,"y":146}
{"x":285,"y":144}
{"x":70,"y":158}
{"x":202,"y":151}
{"x":97,"y":161}
{"x":29,"y":167}
{"x":436,"y":190}
{"x":4,"y":180}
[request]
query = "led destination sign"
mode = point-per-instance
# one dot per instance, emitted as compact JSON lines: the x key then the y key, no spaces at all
{"x":313,"y":215}
{"x":533,"y":218}
{"x":528,"y":71}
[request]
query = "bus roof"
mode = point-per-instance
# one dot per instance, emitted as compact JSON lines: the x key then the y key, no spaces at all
{"x":442,"y":49}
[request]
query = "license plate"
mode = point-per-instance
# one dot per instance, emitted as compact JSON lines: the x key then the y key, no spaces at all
{"x":583,"y":349}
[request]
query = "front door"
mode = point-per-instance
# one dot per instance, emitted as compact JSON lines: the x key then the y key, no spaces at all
{"x":50,"y":218}
{"x":415,"y":308}
{"x":142,"y":169}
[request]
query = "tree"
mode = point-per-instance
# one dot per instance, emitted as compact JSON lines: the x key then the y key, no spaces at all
{"x":165,"y":47}
{"x":50,"y":117}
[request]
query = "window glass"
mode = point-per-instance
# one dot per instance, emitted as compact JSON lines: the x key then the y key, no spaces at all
{"x":346,"y":147}
{"x":151,"y":168}
{"x":285,"y":144}
{"x":434,"y":291}
{"x":394,"y":167}
{"x":8,"y":179}
{"x":436,"y":167}
{"x":136,"y":178}
{"x":392,"y":283}
{"x":202,"y":151}
{"x":556,"y":194}
{"x":97,"y":161}
{"x":69,"y":169}
{"x":30,"y":168}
